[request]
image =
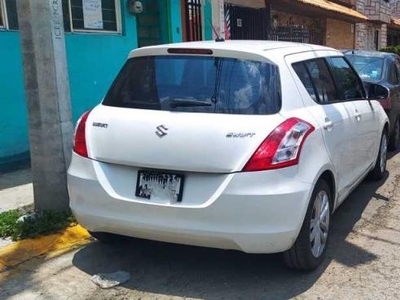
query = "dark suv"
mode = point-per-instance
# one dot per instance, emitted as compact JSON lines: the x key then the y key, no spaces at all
{"x":382,"y":68}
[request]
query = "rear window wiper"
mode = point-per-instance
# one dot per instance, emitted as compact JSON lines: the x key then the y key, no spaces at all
{"x":182,"y":102}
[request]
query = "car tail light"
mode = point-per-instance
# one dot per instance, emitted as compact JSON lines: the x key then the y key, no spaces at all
{"x":80,"y":136}
{"x":281,"y":148}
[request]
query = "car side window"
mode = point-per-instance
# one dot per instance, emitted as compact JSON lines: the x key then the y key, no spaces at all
{"x":392,"y":73}
{"x":397,"y":65}
{"x":317,"y":81}
{"x":348,"y":82}
{"x":302,"y":72}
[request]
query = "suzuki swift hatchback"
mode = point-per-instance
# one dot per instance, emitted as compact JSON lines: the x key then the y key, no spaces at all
{"x":246,"y":145}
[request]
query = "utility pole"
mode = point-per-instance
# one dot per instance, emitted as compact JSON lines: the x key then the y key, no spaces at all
{"x":48,"y":100}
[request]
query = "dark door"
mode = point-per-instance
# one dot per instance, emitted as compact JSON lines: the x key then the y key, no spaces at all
{"x":152,"y":23}
{"x":246,"y":23}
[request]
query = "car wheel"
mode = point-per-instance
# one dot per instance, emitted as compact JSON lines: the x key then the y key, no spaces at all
{"x":106,"y":238}
{"x":308,"y":251}
{"x":380,"y":165}
{"x":394,"y":142}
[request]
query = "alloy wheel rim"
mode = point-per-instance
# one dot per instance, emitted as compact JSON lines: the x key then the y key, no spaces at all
{"x":383,"y":150}
{"x":319,"y":226}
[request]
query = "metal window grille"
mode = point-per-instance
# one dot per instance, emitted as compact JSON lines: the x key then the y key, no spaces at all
{"x":2,"y":22}
{"x":8,"y":15}
{"x":74,"y":16}
{"x":297,"y":34}
{"x":245,"y":23}
{"x":193,"y":20}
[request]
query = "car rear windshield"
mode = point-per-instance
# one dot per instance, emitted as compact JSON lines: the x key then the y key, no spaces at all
{"x":368,"y":67}
{"x":197,"y":84}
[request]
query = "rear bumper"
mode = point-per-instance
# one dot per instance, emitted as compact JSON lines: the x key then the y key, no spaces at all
{"x":253,"y":212}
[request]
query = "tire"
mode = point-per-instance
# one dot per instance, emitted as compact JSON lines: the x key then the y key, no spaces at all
{"x":107,"y":238}
{"x":380,"y":164}
{"x":307,"y":253}
{"x":394,"y":141}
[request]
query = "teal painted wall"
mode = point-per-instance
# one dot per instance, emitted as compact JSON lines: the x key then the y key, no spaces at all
{"x":207,"y":20}
{"x":163,"y":7}
{"x":176,"y":21}
{"x":13,"y":112}
{"x":93,"y":62}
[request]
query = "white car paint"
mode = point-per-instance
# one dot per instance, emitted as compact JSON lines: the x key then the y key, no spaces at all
{"x":222,"y":206}
{"x":351,"y":147}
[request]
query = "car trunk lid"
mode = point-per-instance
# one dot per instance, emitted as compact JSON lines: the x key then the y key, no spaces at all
{"x":196,"y":142}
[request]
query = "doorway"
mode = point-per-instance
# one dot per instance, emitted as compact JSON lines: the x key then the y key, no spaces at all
{"x":152,"y":23}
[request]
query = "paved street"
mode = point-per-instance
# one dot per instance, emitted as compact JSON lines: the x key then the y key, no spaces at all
{"x":363,"y":262}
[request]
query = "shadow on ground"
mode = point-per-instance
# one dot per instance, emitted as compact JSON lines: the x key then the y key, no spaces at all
{"x":208,"y":273}
{"x":393,"y":154}
{"x":15,"y":179}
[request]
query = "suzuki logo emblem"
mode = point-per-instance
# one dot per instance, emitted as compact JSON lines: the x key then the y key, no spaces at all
{"x":161,"y":131}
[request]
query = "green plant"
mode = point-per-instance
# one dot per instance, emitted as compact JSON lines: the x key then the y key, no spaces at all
{"x":8,"y":223}
{"x":391,"y":49}
{"x":39,"y":223}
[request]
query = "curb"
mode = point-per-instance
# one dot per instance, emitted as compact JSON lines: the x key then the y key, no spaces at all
{"x":24,"y":250}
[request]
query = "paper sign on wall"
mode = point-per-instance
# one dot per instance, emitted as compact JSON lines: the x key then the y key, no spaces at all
{"x":92,"y":14}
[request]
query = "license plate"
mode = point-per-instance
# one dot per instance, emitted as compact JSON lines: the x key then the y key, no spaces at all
{"x":159,"y":186}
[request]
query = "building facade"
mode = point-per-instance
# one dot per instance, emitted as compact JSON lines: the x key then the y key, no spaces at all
{"x":290,"y":20}
{"x":342,"y":24}
{"x":393,"y":29}
{"x":96,"y":50}
{"x":374,"y":34}
{"x":97,"y":44}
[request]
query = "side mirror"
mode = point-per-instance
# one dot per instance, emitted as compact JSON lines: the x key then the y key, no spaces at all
{"x":377,"y":92}
{"x":381,"y":94}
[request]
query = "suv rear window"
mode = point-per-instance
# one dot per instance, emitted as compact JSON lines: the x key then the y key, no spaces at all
{"x":367,"y":67}
{"x":197,"y":84}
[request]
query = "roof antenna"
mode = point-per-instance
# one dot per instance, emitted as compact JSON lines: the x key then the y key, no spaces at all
{"x":218,"y":39}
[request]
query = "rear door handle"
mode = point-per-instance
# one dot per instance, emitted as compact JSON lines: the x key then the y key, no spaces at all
{"x":328,"y":125}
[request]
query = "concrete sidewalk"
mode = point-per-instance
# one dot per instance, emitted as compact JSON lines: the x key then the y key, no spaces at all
{"x":16,"y":190}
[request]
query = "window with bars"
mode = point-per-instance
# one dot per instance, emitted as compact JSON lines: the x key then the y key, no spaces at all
{"x":79,"y":15}
{"x":92,"y":15}
{"x":8,"y":15}
{"x":2,"y":21}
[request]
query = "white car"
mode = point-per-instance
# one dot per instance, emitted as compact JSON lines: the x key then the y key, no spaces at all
{"x":246,"y":145}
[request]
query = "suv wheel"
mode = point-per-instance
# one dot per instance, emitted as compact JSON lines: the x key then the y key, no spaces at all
{"x":308,"y":251}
